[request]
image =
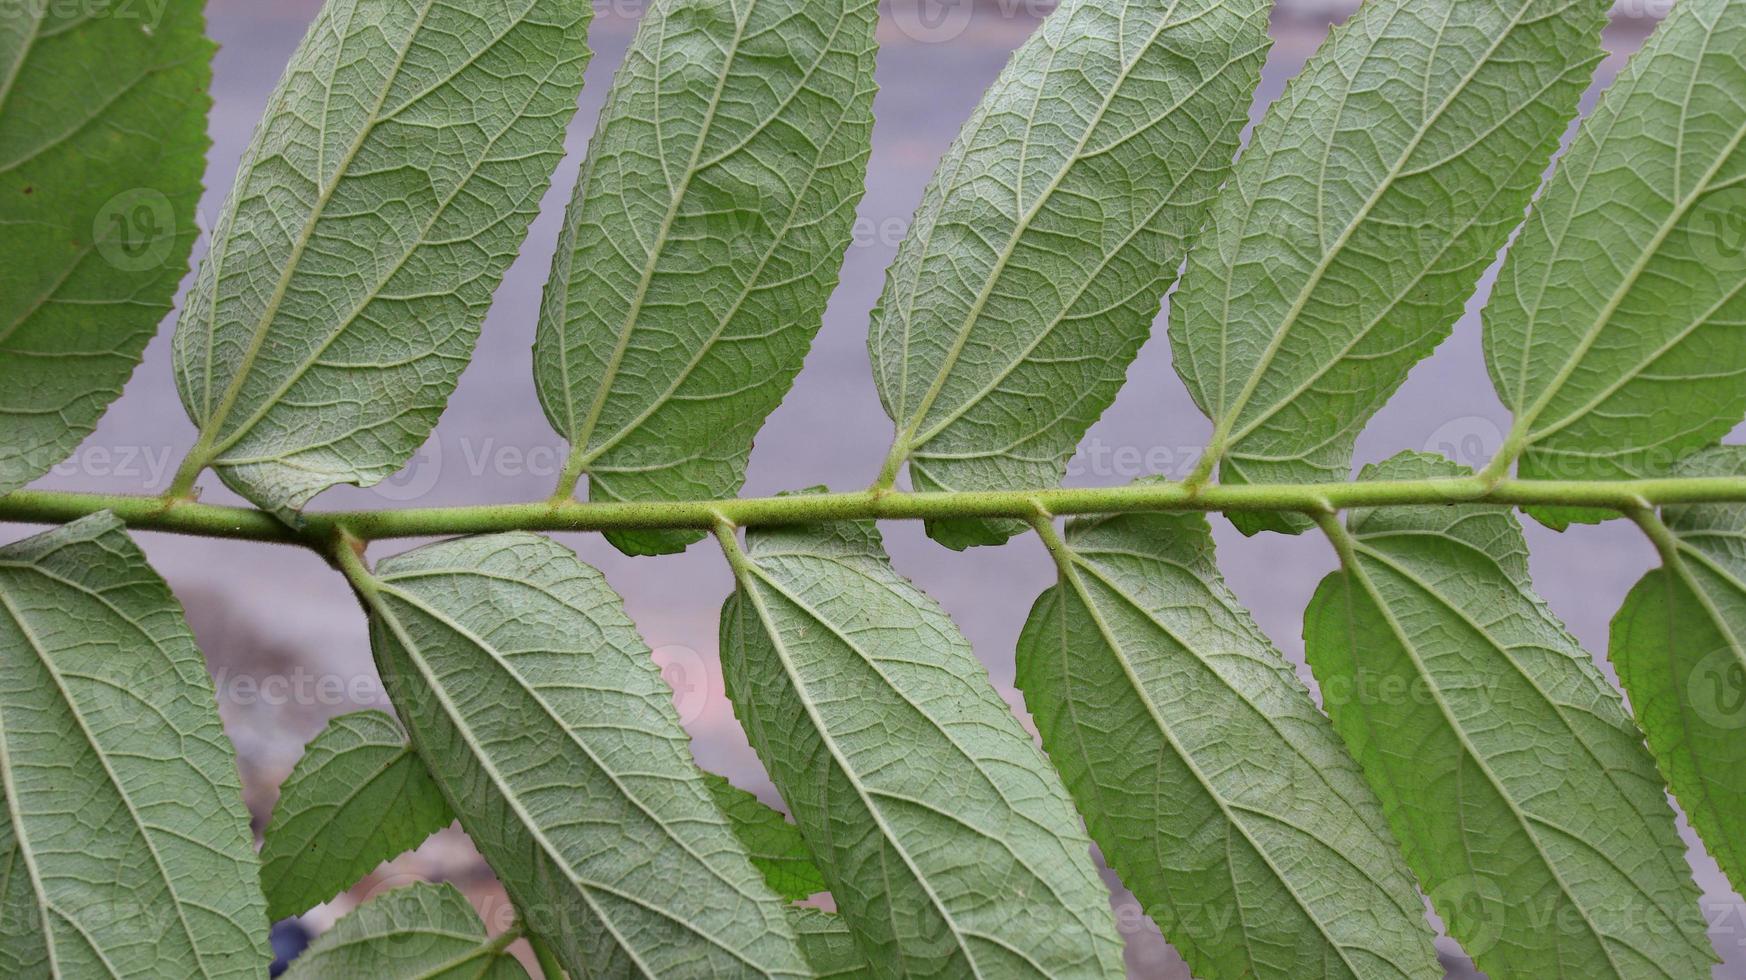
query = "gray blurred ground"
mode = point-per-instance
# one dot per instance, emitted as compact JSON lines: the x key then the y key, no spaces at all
{"x":287,"y":643}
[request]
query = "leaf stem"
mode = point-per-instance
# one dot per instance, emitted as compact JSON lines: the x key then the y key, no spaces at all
{"x":188,"y":473}
{"x":347,"y":555}
{"x":571,"y":478}
{"x":503,"y":940}
{"x":320,"y":530}
{"x":1514,"y":445}
{"x":547,"y":959}
{"x":1337,"y":536}
{"x":726,"y":535}
{"x":1053,"y":541}
{"x":1658,"y":533}
{"x":894,"y":461}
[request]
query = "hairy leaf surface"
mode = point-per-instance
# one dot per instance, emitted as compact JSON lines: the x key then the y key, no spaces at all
{"x":1372,"y":197}
{"x":1617,"y":333}
{"x":358,"y":797}
{"x":829,"y":946}
{"x":542,"y":716}
{"x":420,"y":932}
{"x":1041,"y":252}
{"x":1518,"y":786}
{"x":948,"y":842}
{"x":386,"y":191}
{"x":1208,"y":777}
{"x":99,"y":175}
{"x":123,"y":835}
{"x":706,"y":235}
{"x":776,"y":847}
{"x":1679,"y":644}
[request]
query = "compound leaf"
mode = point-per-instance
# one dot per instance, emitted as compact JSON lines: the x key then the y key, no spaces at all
{"x":1615,"y":332}
{"x":358,"y":797}
{"x":1372,"y":197}
{"x":102,"y":147}
{"x":948,"y":842}
{"x":1517,"y":785}
{"x":542,"y":715}
{"x":776,"y":847}
{"x":704,"y":240}
{"x":1043,"y":248}
{"x":1206,"y":774}
{"x":420,"y":932}
{"x":126,"y":845}
{"x":1679,"y":644}
{"x":386,"y":191}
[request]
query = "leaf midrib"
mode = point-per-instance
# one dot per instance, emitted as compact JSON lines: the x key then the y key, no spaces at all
{"x":219,"y":447}
{"x":478,"y":642}
{"x":906,"y":441}
{"x":1636,"y":371}
{"x":479,"y":945}
{"x":754,"y":281}
{"x":1140,"y":227}
{"x":748,"y":568}
{"x":1676,"y":566}
{"x":1070,"y":571}
{"x":483,"y":947}
{"x":1527,"y":823}
{"x":552,"y":853}
{"x":876,"y":665}
{"x":72,"y":132}
{"x":334,"y":809}
{"x":66,"y":697}
{"x":1084,"y":559}
{"x":1220,"y":442}
{"x":385,"y":585}
{"x":21,"y":843}
{"x":215,"y":417}
{"x":580,"y":439}
{"x":48,"y":296}
{"x":1651,"y":250}
{"x":1558,"y":709}
{"x":40,"y":11}
{"x":1388,"y":309}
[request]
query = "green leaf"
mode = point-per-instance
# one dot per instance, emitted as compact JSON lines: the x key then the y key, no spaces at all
{"x":1614,"y":334}
{"x":705,"y":237}
{"x":829,"y":946}
{"x":1041,"y":252}
{"x":775,"y":845}
{"x":1206,"y":774}
{"x":102,"y":147}
{"x":386,"y":191}
{"x":949,"y":844}
{"x":1679,"y":645}
{"x":358,"y":797}
{"x":123,"y":834}
{"x":1372,"y":197}
{"x":421,"y":932}
{"x":544,"y":719}
{"x":1514,"y":780}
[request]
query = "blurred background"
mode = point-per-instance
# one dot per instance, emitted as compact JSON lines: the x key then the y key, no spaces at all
{"x":286,"y":643}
